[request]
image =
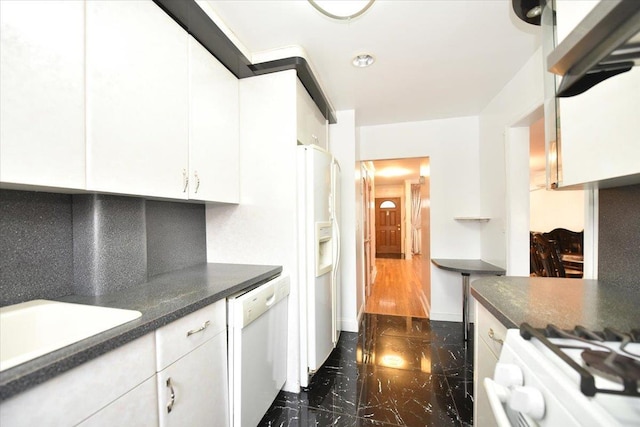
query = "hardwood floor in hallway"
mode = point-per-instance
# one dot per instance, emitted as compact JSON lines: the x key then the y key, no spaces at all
{"x":397,"y":289}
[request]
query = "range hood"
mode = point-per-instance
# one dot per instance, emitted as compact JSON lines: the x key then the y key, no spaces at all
{"x":606,"y":43}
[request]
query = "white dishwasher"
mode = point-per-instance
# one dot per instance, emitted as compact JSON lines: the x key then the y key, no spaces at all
{"x":257,"y":350}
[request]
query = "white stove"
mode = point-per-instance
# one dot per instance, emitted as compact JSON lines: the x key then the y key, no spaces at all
{"x":552,"y":378}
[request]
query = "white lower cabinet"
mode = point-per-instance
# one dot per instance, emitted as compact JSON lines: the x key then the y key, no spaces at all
{"x":489,"y":335}
{"x":72,"y":397}
{"x":175,"y":376}
{"x":136,"y":408}
{"x":193,"y":390}
{"x":192,"y":369}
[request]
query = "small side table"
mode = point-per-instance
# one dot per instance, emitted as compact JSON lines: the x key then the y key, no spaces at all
{"x":466,"y":267}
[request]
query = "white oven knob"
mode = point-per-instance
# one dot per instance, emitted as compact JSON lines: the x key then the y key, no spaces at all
{"x":508,"y":375}
{"x":527,"y":400}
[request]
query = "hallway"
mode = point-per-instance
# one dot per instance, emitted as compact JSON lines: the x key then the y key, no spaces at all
{"x":397,"y":371}
{"x":397,"y":289}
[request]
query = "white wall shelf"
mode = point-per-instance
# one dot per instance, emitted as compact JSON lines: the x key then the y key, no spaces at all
{"x":472,"y":218}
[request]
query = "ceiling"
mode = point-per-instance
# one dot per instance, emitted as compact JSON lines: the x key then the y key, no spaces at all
{"x":434,"y":59}
{"x":396,"y":171}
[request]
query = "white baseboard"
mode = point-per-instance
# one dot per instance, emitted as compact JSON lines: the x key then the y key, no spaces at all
{"x":349,"y":325}
{"x":445,"y":317}
{"x":292,"y":386}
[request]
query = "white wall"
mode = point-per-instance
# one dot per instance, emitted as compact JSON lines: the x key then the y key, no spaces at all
{"x":553,"y":209}
{"x":516,"y":101}
{"x":262,"y":228}
{"x":342,"y":144}
{"x":382,"y":191}
{"x":517,"y":181}
{"x":452,"y":146}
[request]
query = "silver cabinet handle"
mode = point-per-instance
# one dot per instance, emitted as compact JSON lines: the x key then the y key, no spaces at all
{"x":200,"y":329}
{"x":492,"y":336}
{"x":172,"y":395}
{"x":185,"y":180}
{"x":195,"y":175}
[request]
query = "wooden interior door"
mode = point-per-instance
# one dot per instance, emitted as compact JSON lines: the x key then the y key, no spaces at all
{"x":388,"y":227}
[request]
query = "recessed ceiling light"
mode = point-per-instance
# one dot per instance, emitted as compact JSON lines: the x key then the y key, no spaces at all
{"x":362,"y":61}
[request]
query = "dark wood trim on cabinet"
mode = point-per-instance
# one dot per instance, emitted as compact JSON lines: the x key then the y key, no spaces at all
{"x":196,"y":22}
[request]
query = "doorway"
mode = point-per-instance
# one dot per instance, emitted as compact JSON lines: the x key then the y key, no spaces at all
{"x":538,"y":209}
{"x":397,"y":214}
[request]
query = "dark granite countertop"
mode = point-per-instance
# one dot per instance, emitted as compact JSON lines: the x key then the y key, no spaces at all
{"x":594,"y":304}
{"x":162,"y":300}
{"x":467,"y":266}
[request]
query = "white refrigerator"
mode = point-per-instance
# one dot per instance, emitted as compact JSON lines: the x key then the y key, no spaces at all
{"x":319,"y":250}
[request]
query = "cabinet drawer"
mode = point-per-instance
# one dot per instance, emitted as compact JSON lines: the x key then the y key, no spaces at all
{"x":490,"y":330}
{"x":184,"y":335}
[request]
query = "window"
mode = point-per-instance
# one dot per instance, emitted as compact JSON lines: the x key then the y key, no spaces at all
{"x":387,"y":204}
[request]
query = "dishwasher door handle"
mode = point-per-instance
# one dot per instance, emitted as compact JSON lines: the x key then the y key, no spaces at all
{"x":269,"y":302}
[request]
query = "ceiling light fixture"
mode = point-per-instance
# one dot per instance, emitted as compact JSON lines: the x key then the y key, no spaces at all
{"x":363,"y":60}
{"x":342,"y":10}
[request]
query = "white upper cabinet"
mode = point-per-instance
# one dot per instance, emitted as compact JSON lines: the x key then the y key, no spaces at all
{"x":137,"y":100}
{"x":600,"y":128}
{"x":600,"y":131}
{"x":312,"y":126}
{"x":42,"y":94}
{"x":214,"y":144}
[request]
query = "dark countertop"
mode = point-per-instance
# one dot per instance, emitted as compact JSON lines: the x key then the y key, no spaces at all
{"x":163,"y":299}
{"x":594,"y":304}
{"x":467,"y":266}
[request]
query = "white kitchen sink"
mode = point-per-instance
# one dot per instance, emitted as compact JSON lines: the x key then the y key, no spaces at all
{"x":33,"y":328}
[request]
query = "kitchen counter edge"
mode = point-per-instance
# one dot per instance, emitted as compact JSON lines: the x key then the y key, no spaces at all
{"x":162,"y":300}
{"x":540,"y":301}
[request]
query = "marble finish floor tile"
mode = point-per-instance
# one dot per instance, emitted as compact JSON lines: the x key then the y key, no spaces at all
{"x":397,"y":371}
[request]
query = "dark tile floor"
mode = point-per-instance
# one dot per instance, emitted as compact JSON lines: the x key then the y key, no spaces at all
{"x":397,"y":371}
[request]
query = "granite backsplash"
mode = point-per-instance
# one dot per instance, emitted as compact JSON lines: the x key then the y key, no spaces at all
{"x":619,"y":236}
{"x":52,"y":245}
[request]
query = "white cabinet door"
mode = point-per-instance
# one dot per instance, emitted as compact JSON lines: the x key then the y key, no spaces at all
{"x":599,"y":129}
{"x":193,"y":391}
{"x":137,"y":100}
{"x":139,"y":408}
{"x":42,"y":93}
{"x":214,"y":144}
{"x":489,"y":335}
{"x":484,"y":365}
{"x":312,"y":126}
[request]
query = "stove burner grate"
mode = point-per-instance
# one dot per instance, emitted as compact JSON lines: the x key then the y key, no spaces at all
{"x":615,"y":366}
{"x":626,"y":372}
